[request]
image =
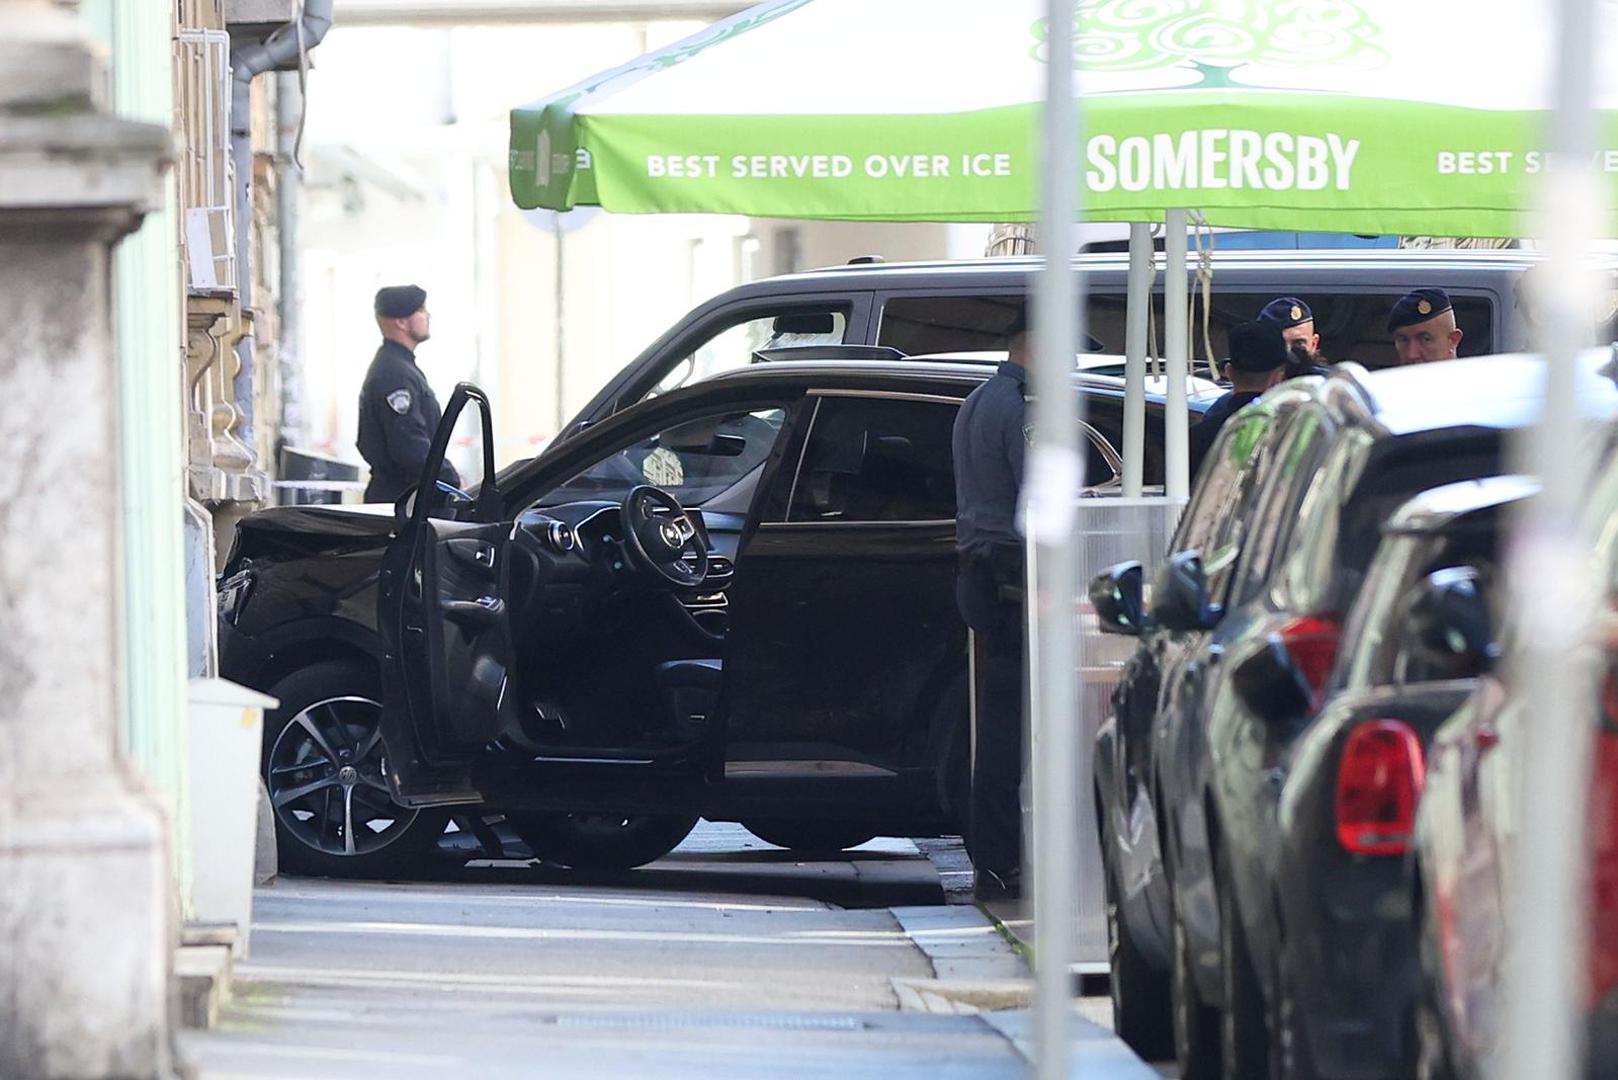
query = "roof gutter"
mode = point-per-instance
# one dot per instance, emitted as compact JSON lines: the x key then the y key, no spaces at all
{"x":290,"y":42}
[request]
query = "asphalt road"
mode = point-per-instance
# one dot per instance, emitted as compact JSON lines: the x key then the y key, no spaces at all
{"x":727,"y":958}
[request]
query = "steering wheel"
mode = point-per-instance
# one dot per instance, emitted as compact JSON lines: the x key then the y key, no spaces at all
{"x":657,"y":541}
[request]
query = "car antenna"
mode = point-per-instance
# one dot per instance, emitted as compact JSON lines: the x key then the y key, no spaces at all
{"x":864,"y":260}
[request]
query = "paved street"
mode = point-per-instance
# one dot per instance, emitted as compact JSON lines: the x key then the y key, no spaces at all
{"x":727,"y":958}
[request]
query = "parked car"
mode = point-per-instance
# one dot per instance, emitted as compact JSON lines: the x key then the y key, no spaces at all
{"x":1369,"y":442}
{"x":1141,"y":941}
{"x":735,"y":599}
{"x":925,"y":309}
{"x":1466,"y":839}
{"x":1345,"y":973}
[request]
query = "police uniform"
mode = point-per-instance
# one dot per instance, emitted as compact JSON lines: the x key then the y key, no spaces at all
{"x":1286,"y":312}
{"x":398,"y":412}
{"x":989,"y":442}
{"x":1256,"y":348}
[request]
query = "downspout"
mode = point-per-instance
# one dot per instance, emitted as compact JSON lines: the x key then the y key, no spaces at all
{"x":246,"y":64}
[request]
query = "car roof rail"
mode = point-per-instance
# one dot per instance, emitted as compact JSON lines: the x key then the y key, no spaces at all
{"x":827,"y":352}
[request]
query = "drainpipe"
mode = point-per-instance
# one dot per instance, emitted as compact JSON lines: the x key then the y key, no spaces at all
{"x":289,"y":193}
{"x":247,"y":63}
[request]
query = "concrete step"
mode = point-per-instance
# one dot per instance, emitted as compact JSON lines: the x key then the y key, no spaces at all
{"x":203,"y":972}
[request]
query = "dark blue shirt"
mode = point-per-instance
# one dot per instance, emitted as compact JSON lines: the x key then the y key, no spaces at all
{"x":398,"y":417}
{"x":989,"y":442}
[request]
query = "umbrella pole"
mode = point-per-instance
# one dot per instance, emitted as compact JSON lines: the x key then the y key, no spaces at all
{"x":1551,"y":582}
{"x":1176,"y":351}
{"x":1050,"y":496}
{"x":1137,"y":311}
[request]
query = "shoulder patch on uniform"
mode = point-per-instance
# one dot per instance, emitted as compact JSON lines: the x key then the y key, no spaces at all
{"x":399,"y":401}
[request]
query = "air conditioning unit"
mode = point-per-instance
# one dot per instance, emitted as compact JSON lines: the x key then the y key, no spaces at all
{"x":205,"y":175}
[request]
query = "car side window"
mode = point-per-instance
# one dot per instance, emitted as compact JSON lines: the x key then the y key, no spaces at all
{"x":1228,"y":462}
{"x":1295,"y":460}
{"x":693,"y":460}
{"x":733,"y":346}
{"x":1244,"y":445}
{"x":876,"y":459}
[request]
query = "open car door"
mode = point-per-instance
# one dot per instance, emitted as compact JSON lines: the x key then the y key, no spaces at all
{"x":441,"y":611}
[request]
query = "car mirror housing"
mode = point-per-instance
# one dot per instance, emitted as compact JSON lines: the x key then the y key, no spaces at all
{"x":1115,"y":593}
{"x":1181,"y":599}
{"x":1270,"y":685}
{"x":1450,"y":625}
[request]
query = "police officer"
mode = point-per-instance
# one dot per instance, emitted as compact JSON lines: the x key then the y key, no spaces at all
{"x":1297,"y":325}
{"x":1422,"y":323}
{"x":990,"y":438}
{"x":398,"y":412}
{"x":1258,"y":359}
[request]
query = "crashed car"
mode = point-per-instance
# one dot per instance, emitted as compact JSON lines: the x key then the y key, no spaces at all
{"x":733,"y":600}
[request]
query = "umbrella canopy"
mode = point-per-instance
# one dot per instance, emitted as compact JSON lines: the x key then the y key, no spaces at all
{"x":1374,"y":116}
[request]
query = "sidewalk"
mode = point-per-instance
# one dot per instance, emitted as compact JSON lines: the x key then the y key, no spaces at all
{"x":720,"y":960}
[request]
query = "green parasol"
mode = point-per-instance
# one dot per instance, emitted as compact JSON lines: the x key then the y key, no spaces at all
{"x":1372,"y":116}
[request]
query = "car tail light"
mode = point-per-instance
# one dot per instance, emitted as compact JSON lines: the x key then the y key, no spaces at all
{"x":1379,"y":782}
{"x":1312,"y":641}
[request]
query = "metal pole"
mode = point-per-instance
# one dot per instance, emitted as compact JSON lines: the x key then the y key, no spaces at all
{"x":1176,"y":354}
{"x":1050,"y":495}
{"x":1137,"y":311}
{"x":1549,"y":576}
{"x":561,"y":342}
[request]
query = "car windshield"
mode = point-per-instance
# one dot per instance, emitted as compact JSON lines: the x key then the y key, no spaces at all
{"x":693,"y":460}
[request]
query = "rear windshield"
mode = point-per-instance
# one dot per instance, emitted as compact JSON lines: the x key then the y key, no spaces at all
{"x":1326,"y":567}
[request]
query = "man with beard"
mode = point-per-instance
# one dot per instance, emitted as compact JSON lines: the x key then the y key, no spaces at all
{"x":398,"y":412}
{"x":1297,"y":325}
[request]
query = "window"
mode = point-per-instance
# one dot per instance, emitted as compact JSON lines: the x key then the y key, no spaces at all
{"x":1284,"y":484}
{"x":876,"y":459}
{"x":917,"y":325}
{"x":734,"y":346}
{"x":693,"y":460}
{"x":1243,"y":452}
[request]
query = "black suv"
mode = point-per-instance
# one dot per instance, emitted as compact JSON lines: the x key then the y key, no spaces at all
{"x":733,"y":600}
{"x":966,"y":305}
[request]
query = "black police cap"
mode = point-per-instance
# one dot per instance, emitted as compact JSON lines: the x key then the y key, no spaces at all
{"x":1286,"y":312}
{"x":1417,"y":306}
{"x":400,"y":301}
{"x":1257,"y":347}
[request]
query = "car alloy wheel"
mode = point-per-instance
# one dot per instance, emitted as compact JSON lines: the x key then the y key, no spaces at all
{"x":325,"y":781}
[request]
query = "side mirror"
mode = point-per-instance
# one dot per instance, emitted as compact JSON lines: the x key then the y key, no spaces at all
{"x":1270,"y":685}
{"x":1115,"y":593}
{"x":1180,"y":601}
{"x":1450,"y":626}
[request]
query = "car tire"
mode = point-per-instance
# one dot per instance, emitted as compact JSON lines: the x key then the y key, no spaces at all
{"x":1196,"y":1026}
{"x":1142,"y":1005}
{"x":1244,"y":1039}
{"x":322,"y":766}
{"x":601,"y":841}
{"x":1289,"y":1042}
{"x":810,"y":837}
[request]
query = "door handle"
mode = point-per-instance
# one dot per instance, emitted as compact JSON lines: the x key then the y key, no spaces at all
{"x":479,"y":553}
{"x":474,"y":614}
